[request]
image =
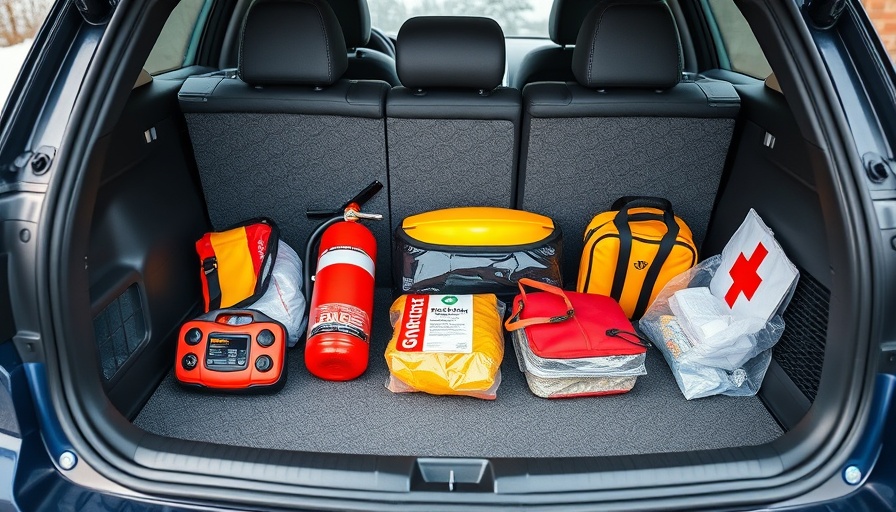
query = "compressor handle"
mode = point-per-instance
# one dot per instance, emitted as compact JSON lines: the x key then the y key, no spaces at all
{"x":222,"y":316}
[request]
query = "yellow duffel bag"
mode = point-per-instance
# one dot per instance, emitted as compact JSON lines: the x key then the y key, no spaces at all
{"x":632,"y":251}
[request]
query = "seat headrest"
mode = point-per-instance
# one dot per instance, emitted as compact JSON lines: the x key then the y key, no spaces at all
{"x":566,"y":18}
{"x":450,"y":52}
{"x":291,"y":42}
{"x":354,"y":17}
{"x":628,"y":43}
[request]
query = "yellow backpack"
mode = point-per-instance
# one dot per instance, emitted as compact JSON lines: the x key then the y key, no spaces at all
{"x":633,"y":251}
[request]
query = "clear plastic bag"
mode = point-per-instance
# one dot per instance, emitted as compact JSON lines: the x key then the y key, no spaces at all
{"x":467,"y":369}
{"x":729,"y":360}
{"x":283,"y":301}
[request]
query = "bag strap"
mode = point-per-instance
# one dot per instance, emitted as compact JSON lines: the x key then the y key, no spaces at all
{"x":631,"y":337}
{"x":514,"y":322}
{"x":266,"y":271}
{"x":210,"y":269}
{"x":626,"y":202}
{"x":667,"y":243}
{"x":653,"y":273}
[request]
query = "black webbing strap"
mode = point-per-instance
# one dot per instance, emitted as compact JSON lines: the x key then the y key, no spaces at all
{"x":621,"y":221}
{"x":662,"y":254}
{"x":625,"y":254}
{"x":210,"y":268}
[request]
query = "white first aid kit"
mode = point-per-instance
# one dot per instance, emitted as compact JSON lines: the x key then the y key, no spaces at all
{"x":754,"y":278}
{"x":716,"y":323}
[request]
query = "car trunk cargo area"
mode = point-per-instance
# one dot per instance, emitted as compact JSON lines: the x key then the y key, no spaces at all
{"x":363,"y":417}
{"x":142,"y":292}
{"x":167,"y":165}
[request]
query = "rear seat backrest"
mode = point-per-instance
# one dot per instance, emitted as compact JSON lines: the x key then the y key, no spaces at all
{"x":287,"y":134}
{"x":452,"y":130}
{"x":630,"y":126}
{"x":553,"y":63}
{"x":363,"y":63}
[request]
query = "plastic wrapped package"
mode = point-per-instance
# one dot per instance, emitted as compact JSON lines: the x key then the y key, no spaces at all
{"x":566,"y":378}
{"x":723,"y":361}
{"x":446,"y":345}
{"x":283,"y":300}
{"x":476,"y":250}
{"x":719,"y":339}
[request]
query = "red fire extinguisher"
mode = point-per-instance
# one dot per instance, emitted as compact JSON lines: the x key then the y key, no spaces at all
{"x":338,"y":339}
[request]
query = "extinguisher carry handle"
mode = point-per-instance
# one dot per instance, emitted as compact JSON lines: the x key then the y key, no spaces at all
{"x":321,"y":214}
{"x":359,"y":199}
{"x":364,"y":195}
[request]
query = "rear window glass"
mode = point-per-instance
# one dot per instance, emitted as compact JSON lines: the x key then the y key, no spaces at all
{"x":177,"y":44}
{"x":19,"y":23}
{"x":527,"y":18}
{"x":738,"y":50}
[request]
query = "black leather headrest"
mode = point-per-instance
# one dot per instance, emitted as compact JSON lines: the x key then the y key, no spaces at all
{"x":628,"y":43}
{"x":291,"y":42}
{"x":450,"y":52}
{"x":566,"y":18}
{"x":354,"y":17}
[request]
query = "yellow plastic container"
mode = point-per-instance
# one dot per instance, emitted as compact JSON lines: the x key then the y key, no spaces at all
{"x":474,"y":250}
{"x":479,"y":226}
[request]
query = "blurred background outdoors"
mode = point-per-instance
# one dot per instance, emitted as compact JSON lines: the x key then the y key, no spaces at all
{"x":20,"y":20}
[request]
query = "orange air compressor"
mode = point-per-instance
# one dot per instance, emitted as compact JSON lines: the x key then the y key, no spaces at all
{"x":232,"y":349}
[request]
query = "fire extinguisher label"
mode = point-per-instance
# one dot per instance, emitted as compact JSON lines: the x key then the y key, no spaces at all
{"x":346,"y":255}
{"x":437,"y":323}
{"x":343,"y":318}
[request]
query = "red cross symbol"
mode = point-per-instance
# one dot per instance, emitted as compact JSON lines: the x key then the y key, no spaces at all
{"x":745,"y":275}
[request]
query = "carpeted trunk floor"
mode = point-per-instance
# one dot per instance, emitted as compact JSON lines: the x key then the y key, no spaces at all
{"x":363,"y":417}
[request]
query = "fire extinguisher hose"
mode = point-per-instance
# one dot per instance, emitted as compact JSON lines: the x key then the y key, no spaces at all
{"x":309,"y":251}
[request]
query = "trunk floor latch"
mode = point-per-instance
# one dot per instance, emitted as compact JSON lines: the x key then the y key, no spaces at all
{"x":453,"y":474}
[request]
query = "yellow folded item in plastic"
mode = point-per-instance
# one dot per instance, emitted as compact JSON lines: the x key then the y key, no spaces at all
{"x":446,"y":345}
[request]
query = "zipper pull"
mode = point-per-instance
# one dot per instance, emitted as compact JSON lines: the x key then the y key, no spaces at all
{"x":618,"y":333}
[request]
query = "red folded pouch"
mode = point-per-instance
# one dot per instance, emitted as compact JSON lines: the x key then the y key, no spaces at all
{"x":574,"y":344}
{"x":237,"y":263}
{"x":567,"y":325}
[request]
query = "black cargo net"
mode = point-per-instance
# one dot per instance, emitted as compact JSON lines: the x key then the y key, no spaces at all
{"x":801,"y":349}
{"x":120,"y":330}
